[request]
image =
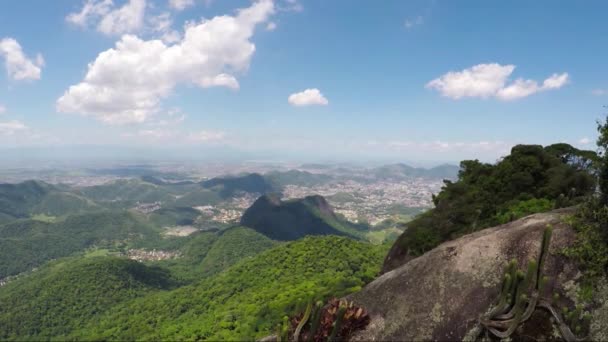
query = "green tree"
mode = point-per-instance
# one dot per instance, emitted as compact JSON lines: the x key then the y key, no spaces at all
{"x":602,"y":144}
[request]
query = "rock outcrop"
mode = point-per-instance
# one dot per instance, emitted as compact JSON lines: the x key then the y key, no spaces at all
{"x":441,"y":294}
{"x":293,"y":219}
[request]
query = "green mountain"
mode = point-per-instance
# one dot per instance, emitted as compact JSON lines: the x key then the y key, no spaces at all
{"x":208,"y":253}
{"x":29,"y":198}
{"x":127,"y":191}
{"x":403,"y":171}
{"x":229,"y":186}
{"x":174,"y":216}
{"x":531,"y":179}
{"x":296,"y":177}
{"x":25,"y":244}
{"x":293,"y":219}
{"x":247,"y":300}
{"x":64,"y":295}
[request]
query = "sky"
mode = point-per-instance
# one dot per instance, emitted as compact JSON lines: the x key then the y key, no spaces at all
{"x":302,"y":79}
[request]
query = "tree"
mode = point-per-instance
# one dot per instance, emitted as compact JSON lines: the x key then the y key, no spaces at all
{"x":602,"y":144}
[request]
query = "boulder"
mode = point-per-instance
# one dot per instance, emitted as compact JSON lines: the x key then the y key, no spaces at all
{"x":442,"y":294}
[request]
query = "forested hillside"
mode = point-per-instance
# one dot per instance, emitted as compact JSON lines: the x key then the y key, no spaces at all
{"x":92,"y":298}
{"x":64,"y":295}
{"x":293,"y":219}
{"x":25,"y":244}
{"x":531,"y":179}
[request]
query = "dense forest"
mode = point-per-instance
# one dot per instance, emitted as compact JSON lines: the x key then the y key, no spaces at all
{"x":108,"y":298}
{"x":531,"y":179}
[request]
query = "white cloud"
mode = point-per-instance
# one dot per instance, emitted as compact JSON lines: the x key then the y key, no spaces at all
{"x":18,"y":65}
{"x":108,"y":19}
{"x":180,"y":5}
{"x":161,"y":25}
{"x":221,"y":80}
{"x":271,"y":26}
{"x":12,"y":127}
{"x":584,"y":141}
{"x":599,"y":92}
{"x":411,"y":22}
{"x":127,"y":83}
{"x":129,"y":18}
{"x":91,"y":10}
{"x":2,"y":109}
{"x":556,"y":81}
{"x":308,"y":97}
{"x":491,"y":80}
{"x":292,"y":6}
{"x":207,"y":136}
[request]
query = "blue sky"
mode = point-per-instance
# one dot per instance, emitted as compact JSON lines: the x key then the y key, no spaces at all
{"x":350,"y":80}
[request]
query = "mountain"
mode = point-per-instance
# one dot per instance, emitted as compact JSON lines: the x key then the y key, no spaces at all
{"x":403,"y":171}
{"x":29,"y":198}
{"x":25,"y":244}
{"x":208,"y":253}
{"x":461,"y":281}
{"x":245,"y":301}
{"x":296,"y":177}
{"x":444,"y":171}
{"x":233,"y":245}
{"x":65,"y":294}
{"x":229,"y":186}
{"x":293,"y":219}
{"x":127,"y":192}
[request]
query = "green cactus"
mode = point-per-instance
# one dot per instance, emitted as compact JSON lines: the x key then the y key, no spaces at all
{"x":279,"y":330}
{"x":337,"y":324}
{"x":296,"y":335}
{"x":544,"y":251}
{"x":285,"y":329}
{"x":503,"y":298}
{"x":523,"y":296}
{"x":532,"y":276}
{"x":315,"y":320}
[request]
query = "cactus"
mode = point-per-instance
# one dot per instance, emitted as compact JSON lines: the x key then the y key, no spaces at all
{"x":521,"y":285}
{"x":544,"y":250}
{"x":296,"y":334}
{"x":533,"y":276}
{"x":279,"y":330}
{"x":283,"y":336}
{"x":503,"y":299}
{"x":337,"y":324}
{"x":315,"y":320}
{"x":521,"y":294}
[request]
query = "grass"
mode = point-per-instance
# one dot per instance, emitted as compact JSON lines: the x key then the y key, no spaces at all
{"x":44,"y":218}
{"x":378,"y":237}
{"x":98,"y":253}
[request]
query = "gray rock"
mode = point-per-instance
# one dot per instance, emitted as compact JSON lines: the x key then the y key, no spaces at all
{"x":441,"y":294}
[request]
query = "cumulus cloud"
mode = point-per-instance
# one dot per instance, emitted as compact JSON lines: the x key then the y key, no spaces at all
{"x":18,"y":65}
{"x":12,"y":127}
{"x":126,"y":84}
{"x":308,"y":97}
{"x":91,"y":10}
{"x":491,"y":80}
{"x":411,"y":22}
{"x":271,"y":26}
{"x":162,"y":25}
{"x":180,"y":5}
{"x":584,"y":141}
{"x":108,"y":18}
